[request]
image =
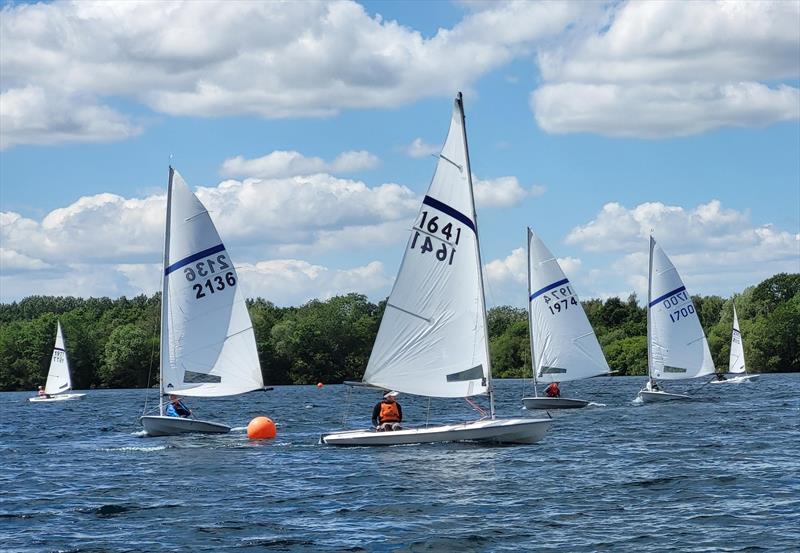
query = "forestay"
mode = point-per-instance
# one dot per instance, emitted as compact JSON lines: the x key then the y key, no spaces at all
{"x":678,"y":346}
{"x":432,"y":338}
{"x":563,"y":342}
{"x":736,"y":363}
{"x":208,"y":345}
{"x":58,"y":379}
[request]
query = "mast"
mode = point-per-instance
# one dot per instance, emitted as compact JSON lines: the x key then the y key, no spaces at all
{"x":649,"y":298}
{"x":530,"y":320}
{"x":460,"y":104}
{"x":164,"y":338}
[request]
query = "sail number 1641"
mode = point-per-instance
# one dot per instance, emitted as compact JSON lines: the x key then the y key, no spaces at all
{"x":429,"y":230}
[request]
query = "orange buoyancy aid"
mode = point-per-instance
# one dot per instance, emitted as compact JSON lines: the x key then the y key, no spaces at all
{"x":389,"y":412}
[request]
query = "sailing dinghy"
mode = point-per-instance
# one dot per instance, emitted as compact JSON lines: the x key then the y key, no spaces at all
{"x":208,"y":348}
{"x":58,"y":377}
{"x":563,"y":344}
{"x":676,"y":345}
{"x":736,"y":364}
{"x":432,"y":340}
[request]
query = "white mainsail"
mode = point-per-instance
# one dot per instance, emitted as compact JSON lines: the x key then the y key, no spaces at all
{"x":563,"y":344}
{"x":736,"y":363}
{"x":58,"y":379}
{"x":208,"y":347}
{"x":432,"y":339}
{"x":677,"y":346}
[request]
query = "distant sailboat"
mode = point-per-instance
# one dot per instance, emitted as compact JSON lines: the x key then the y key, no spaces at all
{"x":58,"y":377}
{"x":676,"y":345}
{"x":736,"y":364}
{"x":563,"y":344}
{"x":432,"y":339}
{"x":208,"y":347}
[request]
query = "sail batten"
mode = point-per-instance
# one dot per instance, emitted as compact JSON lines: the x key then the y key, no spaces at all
{"x":563,"y":344}
{"x":678,"y":347}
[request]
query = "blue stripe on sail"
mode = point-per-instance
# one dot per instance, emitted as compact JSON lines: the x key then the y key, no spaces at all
{"x":444,"y":208}
{"x":667,"y":295}
{"x":59,"y":349}
{"x":548,"y":288}
{"x":199,"y":255}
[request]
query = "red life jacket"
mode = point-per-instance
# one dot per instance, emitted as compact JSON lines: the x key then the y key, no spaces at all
{"x":389,"y":412}
{"x":552,"y":390}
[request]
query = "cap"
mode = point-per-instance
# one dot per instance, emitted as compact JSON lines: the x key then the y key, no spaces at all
{"x":391,"y":394}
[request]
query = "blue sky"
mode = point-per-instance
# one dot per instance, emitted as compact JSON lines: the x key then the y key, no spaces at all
{"x":307,"y":128}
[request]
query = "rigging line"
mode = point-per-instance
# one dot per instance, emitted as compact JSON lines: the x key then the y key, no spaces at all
{"x":150,"y":368}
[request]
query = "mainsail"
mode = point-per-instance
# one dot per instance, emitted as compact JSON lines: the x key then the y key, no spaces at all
{"x":677,"y":345}
{"x":736,"y":364}
{"x":207,"y":343}
{"x":58,"y":379}
{"x":432,"y":338}
{"x":563,"y":344}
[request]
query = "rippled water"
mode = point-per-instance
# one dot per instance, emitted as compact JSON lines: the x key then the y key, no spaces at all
{"x":716,"y":474}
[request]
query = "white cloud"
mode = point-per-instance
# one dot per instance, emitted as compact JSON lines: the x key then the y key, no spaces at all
{"x":655,"y":69}
{"x":215,"y":58}
{"x":418,"y":148}
{"x":281,"y":163}
{"x":30,"y":115}
{"x":12,"y":261}
{"x":503,"y":192}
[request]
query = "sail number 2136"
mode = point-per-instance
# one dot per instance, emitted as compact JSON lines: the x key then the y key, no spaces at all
{"x":428,"y":230}
{"x":211,"y":275}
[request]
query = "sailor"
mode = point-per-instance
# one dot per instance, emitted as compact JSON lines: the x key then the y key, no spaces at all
{"x":552,"y":390}
{"x":721,"y":377}
{"x":387,"y":414}
{"x":42,"y":392}
{"x":176,"y":408}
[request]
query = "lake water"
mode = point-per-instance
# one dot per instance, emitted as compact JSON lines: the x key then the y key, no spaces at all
{"x":721,"y":473}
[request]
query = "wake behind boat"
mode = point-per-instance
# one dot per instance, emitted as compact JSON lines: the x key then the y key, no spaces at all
{"x":432,"y":339}
{"x":59,"y":380}
{"x":208,"y":348}
{"x":563,"y":344}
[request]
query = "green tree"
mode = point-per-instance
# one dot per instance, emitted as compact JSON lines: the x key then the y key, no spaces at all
{"x":126,"y":359}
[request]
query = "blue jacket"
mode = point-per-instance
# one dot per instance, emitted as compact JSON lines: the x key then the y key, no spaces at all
{"x":179,"y":410}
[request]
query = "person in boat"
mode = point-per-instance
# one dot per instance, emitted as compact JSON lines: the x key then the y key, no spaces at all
{"x":652,"y":386}
{"x":176,"y":408}
{"x":552,"y":390}
{"x":721,"y":376}
{"x":387,"y":414}
{"x":42,"y":393}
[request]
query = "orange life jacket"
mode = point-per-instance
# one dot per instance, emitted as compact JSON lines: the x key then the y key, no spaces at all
{"x":552,"y":390}
{"x":389,"y":412}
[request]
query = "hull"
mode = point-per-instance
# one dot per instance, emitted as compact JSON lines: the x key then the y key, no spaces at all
{"x":60,"y":397}
{"x":553,"y":403}
{"x":736,"y":379}
{"x":511,"y":431}
{"x":658,"y":397}
{"x":156,"y":425}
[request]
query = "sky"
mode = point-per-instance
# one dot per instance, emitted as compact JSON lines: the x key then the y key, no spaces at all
{"x":309,"y":130}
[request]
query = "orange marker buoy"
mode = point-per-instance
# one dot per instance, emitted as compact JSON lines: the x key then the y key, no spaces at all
{"x":261,"y":428}
{"x":320,"y":384}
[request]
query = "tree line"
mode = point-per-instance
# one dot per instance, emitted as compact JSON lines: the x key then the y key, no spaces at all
{"x":115,"y":343}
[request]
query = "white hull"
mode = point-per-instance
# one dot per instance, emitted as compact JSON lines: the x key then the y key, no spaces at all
{"x":656,"y":397}
{"x":514,"y":431}
{"x":156,"y":425}
{"x":553,"y":403}
{"x":736,"y":379}
{"x":60,"y":397}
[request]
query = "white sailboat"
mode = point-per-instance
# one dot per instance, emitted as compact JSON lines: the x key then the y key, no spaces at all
{"x":563,"y":344}
{"x":432,"y":339}
{"x":736,"y":365}
{"x":208,"y":347}
{"x":58,"y":377}
{"x":676,"y":345}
